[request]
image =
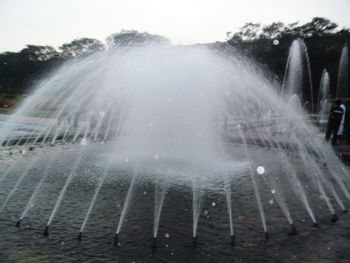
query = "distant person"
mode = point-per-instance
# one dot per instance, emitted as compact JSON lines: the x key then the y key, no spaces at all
{"x":347,"y":123}
{"x":335,"y":117}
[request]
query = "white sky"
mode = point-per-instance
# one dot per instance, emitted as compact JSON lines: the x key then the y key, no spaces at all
{"x":55,"y":22}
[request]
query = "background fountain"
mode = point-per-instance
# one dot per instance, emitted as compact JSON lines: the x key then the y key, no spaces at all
{"x":297,"y":78}
{"x":343,"y":74}
{"x":323,"y":102}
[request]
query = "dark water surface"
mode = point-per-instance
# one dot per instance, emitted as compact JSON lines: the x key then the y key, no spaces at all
{"x":330,"y":242}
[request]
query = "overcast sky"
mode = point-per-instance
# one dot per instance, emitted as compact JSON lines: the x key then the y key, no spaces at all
{"x":55,"y":22}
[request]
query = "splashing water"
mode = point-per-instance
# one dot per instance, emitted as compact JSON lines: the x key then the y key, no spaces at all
{"x":182,"y":117}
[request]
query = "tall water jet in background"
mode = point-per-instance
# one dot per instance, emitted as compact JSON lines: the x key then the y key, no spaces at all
{"x":297,"y":78}
{"x":343,"y":89}
{"x":323,"y":103}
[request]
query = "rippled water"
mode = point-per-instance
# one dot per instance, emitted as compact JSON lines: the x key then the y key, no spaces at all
{"x":330,"y":242}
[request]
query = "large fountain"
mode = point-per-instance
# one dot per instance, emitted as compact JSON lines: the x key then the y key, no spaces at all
{"x":167,"y":139}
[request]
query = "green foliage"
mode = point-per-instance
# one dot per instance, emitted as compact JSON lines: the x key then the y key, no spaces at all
{"x":38,"y":53}
{"x":18,"y":70}
{"x":248,"y":32}
{"x":81,"y":47}
{"x":273,"y":30}
{"x":132,"y":37}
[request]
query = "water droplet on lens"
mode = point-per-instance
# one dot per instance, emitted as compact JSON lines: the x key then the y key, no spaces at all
{"x":83,"y":142}
{"x":213,"y":204}
{"x":273,"y":191}
{"x":271,"y":202}
{"x":275,"y":42}
{"x":260,"y":170}
{"x":167,"y":235}
{"x":102,"y":114}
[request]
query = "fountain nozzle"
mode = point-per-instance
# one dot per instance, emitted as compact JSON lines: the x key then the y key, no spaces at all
{"x":154,"y":242}
{"x":233,"y":240}
{"x":80,"y":235}
{"x":314,"y":224}
{"x":116,"y":239}
{"x":293,"y":230}
{"x":46,"y":231}
{"x":334,"y":218}
{"x":267,"y":236}
{"x":18,"y":224}
{"x":194,"y":241}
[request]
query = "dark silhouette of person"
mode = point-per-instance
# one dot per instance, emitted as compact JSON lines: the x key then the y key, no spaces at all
{"x":334,"y":120}
{"x":347,"y":123}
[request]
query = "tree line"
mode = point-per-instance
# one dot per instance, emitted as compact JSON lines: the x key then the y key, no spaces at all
{"x":267,"y":44}
{"x":19,"y":70}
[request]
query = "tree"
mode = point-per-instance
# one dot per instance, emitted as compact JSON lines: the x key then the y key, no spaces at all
{"x":318,"y":27}
{"x":18,"y":69}
{"x":132,"y":38}
{"x":81,"y":47}
{"x":38,"y":53}
{"x":248,"y":32}
{"x":274,"y":30}
{"x":9,"y":74}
